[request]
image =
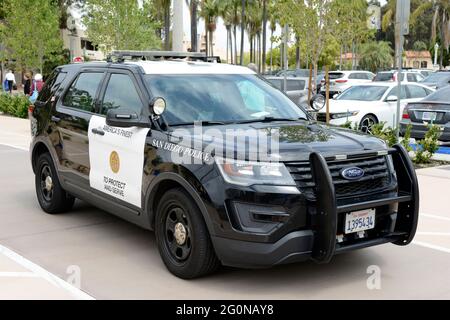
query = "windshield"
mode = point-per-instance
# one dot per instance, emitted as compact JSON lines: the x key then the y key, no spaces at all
{"x":440,"y":96}
{"x":221,"y":98}
{"x":363,"y":93}
{"x":437,"y":77}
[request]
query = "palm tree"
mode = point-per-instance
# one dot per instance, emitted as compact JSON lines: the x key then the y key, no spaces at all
{"x":210,"y":12}
{"x":226,"y":12}
{"x":264,"y":44}
{"x":193,"y":8}
{"x":440,"y":25}
{"x":243,"y":4}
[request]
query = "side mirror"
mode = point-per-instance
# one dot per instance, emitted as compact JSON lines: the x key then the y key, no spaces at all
{"x":124,"y":118}
{"x":317,"y":103}
{"x":392,"y":99}
{"x":158,"y":106}
{"x":335,"y":96}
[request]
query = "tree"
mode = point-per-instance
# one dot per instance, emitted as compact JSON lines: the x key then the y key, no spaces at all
{"x":376,"y":56}
{"x":193,"y":9}
{"x":63,"y":6}
{"x":210,"y":12}
{"x":31,"y":32}
{"x":440,"y":24}
{"x":243,"y":4}
{"x":226,"y":12}
{"x":163,"y":9}
{"x":313,"y":21}
{"x":351,"y":28}
{"x":121,"y":25}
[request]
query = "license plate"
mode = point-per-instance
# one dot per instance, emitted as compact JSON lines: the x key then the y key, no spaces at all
{"x":360,"y":221}
{"x":429,"y":116}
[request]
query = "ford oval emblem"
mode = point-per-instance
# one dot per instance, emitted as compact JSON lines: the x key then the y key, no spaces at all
{"x":353,"y":173}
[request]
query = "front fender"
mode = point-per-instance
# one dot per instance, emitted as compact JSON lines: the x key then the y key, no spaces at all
{"x":188,"y":186}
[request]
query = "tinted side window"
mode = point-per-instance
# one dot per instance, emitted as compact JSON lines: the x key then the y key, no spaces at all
{"x":416,"y":92}
{"x":354,"y":76}
{"x":412,"y":77}
{"x":394,"y":92}
{"x":52,"y":84}
{"x":82,"y":93}
{"x":295,"y":85}
{"x":121,"y":93}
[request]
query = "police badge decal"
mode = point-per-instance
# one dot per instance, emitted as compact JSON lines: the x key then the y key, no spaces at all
{"x":114,"y":162}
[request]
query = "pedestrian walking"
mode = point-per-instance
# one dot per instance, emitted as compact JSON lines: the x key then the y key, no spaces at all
{"x":27,"y":84}
{"x":11,"y":78}
{"x":36,"y":87}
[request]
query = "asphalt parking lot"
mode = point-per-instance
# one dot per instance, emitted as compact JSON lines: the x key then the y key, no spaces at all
{"x":39,"y":253}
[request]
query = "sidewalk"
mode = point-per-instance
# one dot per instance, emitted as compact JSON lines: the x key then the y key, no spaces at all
{"x":15,"y":132}
{"x":19,"y":277}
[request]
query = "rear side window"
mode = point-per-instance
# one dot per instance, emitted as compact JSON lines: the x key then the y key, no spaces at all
{"x":412,"y":77}
{"x":51,"y":85}
{"x":121,"y":93}
{"x":394,"y":92}
{"x":384,"y":76}
{"x":336,"y":75}
{"x":277,"y":83}
{"x":416,"y":92}
{"x":295,"y":85}
{"x":82,"y":92}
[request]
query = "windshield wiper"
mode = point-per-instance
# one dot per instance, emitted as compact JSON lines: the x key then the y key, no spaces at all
{"x":202,"y":123}
{"x":269,"y":120}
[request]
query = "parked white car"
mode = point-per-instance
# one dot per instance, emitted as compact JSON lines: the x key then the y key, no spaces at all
{"x":369,"y":104}
{"x":342,"y":80}
{"x":405,"y":76}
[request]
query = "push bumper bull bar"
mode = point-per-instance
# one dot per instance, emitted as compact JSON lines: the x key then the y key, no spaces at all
{"x":325,"y":233}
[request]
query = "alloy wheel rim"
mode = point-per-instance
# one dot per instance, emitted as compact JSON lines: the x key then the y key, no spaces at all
{"x":366,"y":125}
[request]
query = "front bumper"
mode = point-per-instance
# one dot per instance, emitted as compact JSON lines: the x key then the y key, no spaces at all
{"x":321,"y":241}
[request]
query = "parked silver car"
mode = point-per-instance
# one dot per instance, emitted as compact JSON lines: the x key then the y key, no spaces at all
{"x":296,"y":88}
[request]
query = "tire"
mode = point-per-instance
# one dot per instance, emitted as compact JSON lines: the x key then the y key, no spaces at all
{"x":52,"y":198}
{"x":367,"y":122}
{"x":183,"y":238}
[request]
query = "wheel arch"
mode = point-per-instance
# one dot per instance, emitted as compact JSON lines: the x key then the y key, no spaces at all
{"x":38,"y":149}
{"x":167,"y":181}
{"x":372,"y":115}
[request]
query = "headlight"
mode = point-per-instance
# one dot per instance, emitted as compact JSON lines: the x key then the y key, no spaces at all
{"x":344,"y":115}
{"x":245,"y":173}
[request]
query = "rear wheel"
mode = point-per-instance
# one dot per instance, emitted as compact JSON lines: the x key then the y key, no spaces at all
{"x":367,"y":123}
{"x":182,"y":236}
{"x":51,"y":196}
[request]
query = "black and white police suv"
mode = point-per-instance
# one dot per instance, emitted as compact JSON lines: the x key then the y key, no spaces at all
{"x":220,"y":164}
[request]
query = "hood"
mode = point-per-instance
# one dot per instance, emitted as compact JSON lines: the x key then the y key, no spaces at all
{"x":297,"y":140}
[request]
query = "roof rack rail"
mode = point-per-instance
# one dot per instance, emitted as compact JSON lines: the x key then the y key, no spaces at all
{"x":120,"y":56}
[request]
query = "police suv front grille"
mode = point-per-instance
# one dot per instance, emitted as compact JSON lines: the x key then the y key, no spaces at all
{"x":377,"y":176}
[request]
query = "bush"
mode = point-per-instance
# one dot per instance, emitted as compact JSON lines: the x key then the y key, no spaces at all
{"x":385,"y":133}
{"x":407,"y":138}
{"x":14,"y":105}
{"x":427,"y":147}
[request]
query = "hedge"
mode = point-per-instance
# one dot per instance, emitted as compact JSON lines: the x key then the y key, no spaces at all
{"x":14,"y":105}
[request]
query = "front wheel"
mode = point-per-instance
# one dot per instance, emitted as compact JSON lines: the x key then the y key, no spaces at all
{"x":51,"y":196}
{"x":367,"y":124}
{"x":182,"y":236}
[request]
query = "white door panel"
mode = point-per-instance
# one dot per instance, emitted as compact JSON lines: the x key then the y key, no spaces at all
{"x":116,"y":158}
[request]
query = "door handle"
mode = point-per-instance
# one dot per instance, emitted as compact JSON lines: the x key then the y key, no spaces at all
{"x":98,"y":132}
{"x":56,"y":119}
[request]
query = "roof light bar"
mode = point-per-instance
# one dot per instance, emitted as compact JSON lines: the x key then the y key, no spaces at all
{"x":124,"y":55}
